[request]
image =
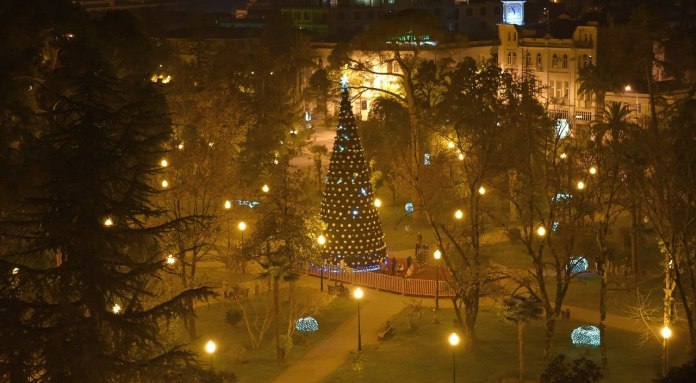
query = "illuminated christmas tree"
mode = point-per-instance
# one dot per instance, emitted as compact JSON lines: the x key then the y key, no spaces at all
{"x":353,"y":231}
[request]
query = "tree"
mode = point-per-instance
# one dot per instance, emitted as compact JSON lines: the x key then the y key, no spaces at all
{"x":84,"y":235}
{"x":284,"y":241}
{"x":318,"y":153}
{"x":521,"y":310}
{"x":681,"y":374}
{"x":597,"y":81}
{"x":353,"y":231}
{"x":580,"y":370}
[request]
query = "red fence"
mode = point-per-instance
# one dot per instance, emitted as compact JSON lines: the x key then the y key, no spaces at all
{"x":400,"y":285}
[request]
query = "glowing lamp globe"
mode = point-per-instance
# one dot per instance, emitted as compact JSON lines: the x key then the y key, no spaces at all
{"x":228,"y":204}
{"x":541,"y":231}
{"x":242,"y":226}
{"x":666,"y":332}
{"x":321,"y":240}
{"x":210,"y":347}
{"x":458,"y":214}
{"x":358,"y":294}
{"x":437,"y":254}
{"x":453,"y":339}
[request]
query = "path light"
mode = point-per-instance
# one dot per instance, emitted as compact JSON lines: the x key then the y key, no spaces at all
{"x":378,"y":202}
{"x":666,"y":333}
{"x":581,"y":185}
{"x":164,"y":163}
{"x":593,"y":170}
{"x":454,"y":341}
{"x":210,"y":348}
{"x":437,"y":255}
{"x":228,"y":204}
{"x":108,"y":222}
{"x":459,"y":214}
{"x":358,"y":294}
{"x":242,"y":226}
{"x":165,"y":184}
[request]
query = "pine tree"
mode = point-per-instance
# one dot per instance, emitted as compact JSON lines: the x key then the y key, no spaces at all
{"x":353,"y":231}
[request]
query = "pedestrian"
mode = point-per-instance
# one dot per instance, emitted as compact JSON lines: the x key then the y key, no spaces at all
{"x":409,"y":261}
{"x":392,"y":265}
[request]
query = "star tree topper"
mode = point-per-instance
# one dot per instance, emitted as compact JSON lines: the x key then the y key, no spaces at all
{"x":344,"y":82}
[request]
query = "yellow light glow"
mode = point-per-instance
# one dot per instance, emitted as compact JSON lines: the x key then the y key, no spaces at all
{"x":15,"y":271}
{"x":666,"y":332}
{"x":628,"y":88}
{"x":181,"y":146}
{"x":461,"y":156}
{"x":358,"y":294}
{"x":242,"y":226}
{"x":165,"y":184}
{"x":171,"y":260}
{"x":454,"y":339}
{"x":581,"y":185}
{"x":228,"y":204}
{"x":378,"y":202}
{"x":593,"y":170}
{"x":458,"y":214}
{"x":265,"y":189}
{"x":321,"y":240}
{"x":116,"y":308}
{"x":482,"y":190}
{"x":541,"y":231}
{"x":437,"y":254}
{"x":164,"y":163}
{"x":564,"y":156}
{"x":108,"y":222}
{"x":450,"y":145}
{"x":210,"y":347}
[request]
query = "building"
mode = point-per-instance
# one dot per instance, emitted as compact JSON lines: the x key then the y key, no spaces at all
{"x":122,"y":5}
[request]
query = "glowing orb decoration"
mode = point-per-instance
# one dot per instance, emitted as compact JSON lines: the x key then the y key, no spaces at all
{"x":307,"y":324}
{"x":579,"y":264}
{"x":585,"y":336}
{"x":409,"y":207}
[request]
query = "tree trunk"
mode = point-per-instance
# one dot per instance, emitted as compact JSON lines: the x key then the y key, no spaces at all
{"x":521,"y":332}
{"x":276,"y":318}
{"x":548,"y":334}
{"x":635,"y":212}
{"x":602,"y":311}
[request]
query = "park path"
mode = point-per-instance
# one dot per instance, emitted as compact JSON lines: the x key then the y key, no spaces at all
{"x":376,"y":308}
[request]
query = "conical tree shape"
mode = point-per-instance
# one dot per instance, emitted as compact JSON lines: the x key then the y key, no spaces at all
{"x":353,"y":231}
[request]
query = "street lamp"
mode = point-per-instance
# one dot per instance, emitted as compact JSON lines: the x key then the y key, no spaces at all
{"x":210,"y":348}
{"x":541,"y":231}
{"x":108,"y":222}
{"x":321,"y":240}
{"x":454,"y":341}
{"x":458,"y":214}
{"x":581,"y":185}
{"x":593,"y":170}
{"x":378,"y":203}
{"x":165,"y":184}
{"x":666,"y":333}
{"x":437,"y":255}
{"x":482,"y":190}
{"x":242,"y":226}
{"x":358,"y":294}
{"x":265,"y":188}
{"x":164,"y":163}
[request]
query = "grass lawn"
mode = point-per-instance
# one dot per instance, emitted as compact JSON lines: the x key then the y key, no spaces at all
{"x":425,"y":356}
{"x":233,"y":353}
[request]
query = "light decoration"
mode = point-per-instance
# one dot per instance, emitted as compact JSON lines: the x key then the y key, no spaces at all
{"x":593,"y":170}
{"x":250,"y":204}
{"x":164,"y":163}
{"x":581,"y":185}
{"x":165,"y":184}
{"x":15,"y":271}
{"x":265,"y":188}
{"x":554,"y":225}
{"x":561,"y":196}
{"x":482,"y":190}
{"x":171,"y":260}
{"x":353,"y":230}
{"x":408,"y":207}
{"x":578,"y":264}
{"x":306,"y":324}
{"x":108,"y":222}
{"x":426,"y":159}
{"x":228,"y":204}
{"x":585,"y":336}
{"x":459,"y":214}
{"x":321,"y":240}
{"x":461,"y":156}
{"x":116,"y":308}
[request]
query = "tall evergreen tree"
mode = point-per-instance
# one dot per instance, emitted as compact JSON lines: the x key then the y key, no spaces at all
{"x":353,"y":230}
{"x":80,"y":234}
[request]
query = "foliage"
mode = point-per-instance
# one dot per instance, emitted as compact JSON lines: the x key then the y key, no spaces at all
{"x":680,"y":374}
{"x":580,"y":370}
{"x":233,"y":316}
{"x":415,"y":313}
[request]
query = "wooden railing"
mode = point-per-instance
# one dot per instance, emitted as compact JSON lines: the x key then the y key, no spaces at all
{"x":394,"y":284}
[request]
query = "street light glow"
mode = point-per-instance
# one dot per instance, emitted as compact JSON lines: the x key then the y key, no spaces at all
{"x":459,"y":214}
{"x":581,"y":185}
{"x":378,"y":202}
{"x":666,"y":332}
{"x":541,"y":231}
{"x":228,"y":204}
{"x":628,"y":88}
{"x":321,"y":240}
{"x":265,"y":188}
{"x":358,"y":294}
{"x":461,"y":156}
{"x":164,"y":163}
{"x":454,"y":339}
{"x":116,"y":308}
{"x":450,"y":144}
{"x":165,"y":184}
{"x":108,"y":222}
{"x":437,"y":254}
{"x":210,"y":347}
{"x":564,"y":156}
{"x":242,"y":226}
{"x":482,"y":190}
{"x":171,"y":260}
{"x":593,"y":170}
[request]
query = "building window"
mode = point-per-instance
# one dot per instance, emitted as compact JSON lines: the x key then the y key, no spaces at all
{"x":469,"y":12}
{"x":483,"y":11}
{"x":363,"y":104}
{"x":528,"y":59}
{"x":539,"y":62}
{"x":512,"y":58}
{"x":509,"y":36}
{"x":554,"y":61}
{"x":564,"y":64}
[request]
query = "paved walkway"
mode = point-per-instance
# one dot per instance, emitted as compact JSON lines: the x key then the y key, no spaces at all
{"x":376,"y":308}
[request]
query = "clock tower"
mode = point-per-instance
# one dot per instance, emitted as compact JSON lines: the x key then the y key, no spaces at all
{"x":513,"y":12}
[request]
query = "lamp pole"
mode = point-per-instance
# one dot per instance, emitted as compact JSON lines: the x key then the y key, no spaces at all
{"x":454,"y":341}
{"x":437,"y":254}
{"x":321,"y":240}
{"x":358,"y":295}
{"x":666,"y":333}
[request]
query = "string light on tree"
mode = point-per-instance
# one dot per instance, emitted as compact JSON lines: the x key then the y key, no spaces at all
{"x":116,"y":308}
{"x":348,"y":208}
{"x":108,"y":222}
{"x":171,"y":260}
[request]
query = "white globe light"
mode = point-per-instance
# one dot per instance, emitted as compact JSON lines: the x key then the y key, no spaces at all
{"x":454,"y":339}
{"x":666,"y":332}
{"x":210,"y":347}
{"x":437,"y":254}
{"x":358,"y":293}
{"x":116,"y":308}
{"x":228,"y":204}
{"x":242,"y":226}
{"x":164,"y":163}
{"x":378,"y":202}
{"x":458,"y":214}
{"x":541,"y":231}
{"x":321,"y":240}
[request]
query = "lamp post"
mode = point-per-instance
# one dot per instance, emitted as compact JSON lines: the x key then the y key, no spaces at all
{"x":242,"y":226}
{"x":321,"y":240}
{"x":358,"y":295}
{"x":437,"y":255}
{"x":454,"y":341}
{"x":210,"y":348}
{"x":666,"y":333}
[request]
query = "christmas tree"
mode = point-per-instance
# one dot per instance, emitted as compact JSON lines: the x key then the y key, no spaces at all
{"x":353,"y":231}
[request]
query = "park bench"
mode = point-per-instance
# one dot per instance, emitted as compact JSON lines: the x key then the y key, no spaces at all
{"x":338,"y":289}
{"x":386,"y":332}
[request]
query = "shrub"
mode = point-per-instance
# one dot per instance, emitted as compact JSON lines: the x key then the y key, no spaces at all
{"x":233,"y":316}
